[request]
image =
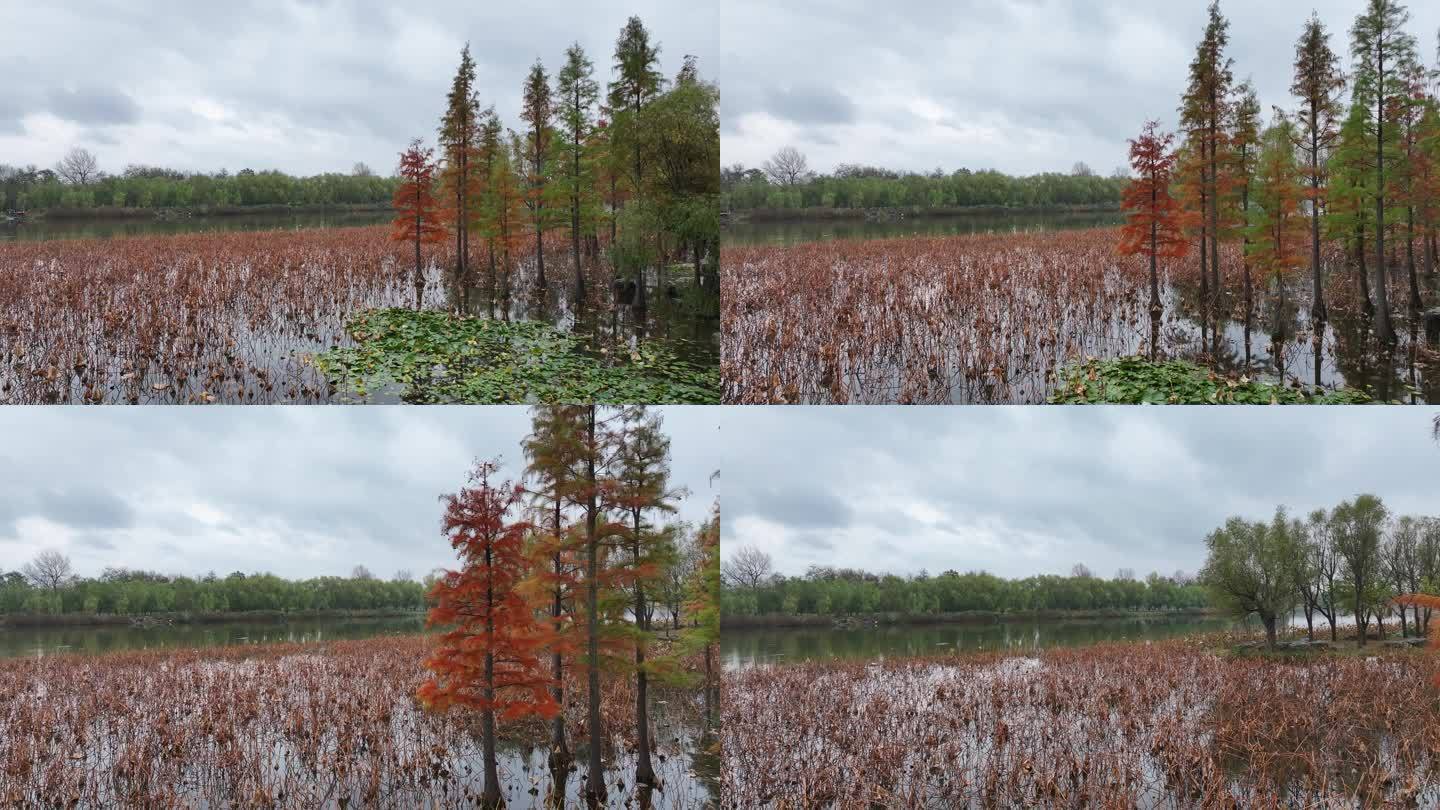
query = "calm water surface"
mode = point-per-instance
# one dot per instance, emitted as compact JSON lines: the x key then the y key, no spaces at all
{"x":790,"y":233}
{"x":42,"y":229}
{"x":35,"y":641}
{"x":740,"y":648}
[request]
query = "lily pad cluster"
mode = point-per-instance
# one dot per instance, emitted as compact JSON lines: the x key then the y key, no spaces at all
{"x":1137,"y":381}
{"x":437,"y":357}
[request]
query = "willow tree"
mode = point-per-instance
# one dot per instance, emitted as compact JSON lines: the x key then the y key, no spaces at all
{"x":1357,"y":527}
{"x":1204,"y":110}
{"x":1318,"y":83}
{"x":1383,"y":52}
{"x":1250,"y":569}
{"x":577,"y":92}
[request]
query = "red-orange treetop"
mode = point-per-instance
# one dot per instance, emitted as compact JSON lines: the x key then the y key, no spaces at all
{"x":491,"y":626}
{"x":417,"y":213}
{"x":1154,"y":219}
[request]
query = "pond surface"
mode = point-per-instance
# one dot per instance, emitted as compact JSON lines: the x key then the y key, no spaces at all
{"x":791,"y":233}
{"x":740,"y":648}
{"x":40,"y":641}
{"x":42,"y":229}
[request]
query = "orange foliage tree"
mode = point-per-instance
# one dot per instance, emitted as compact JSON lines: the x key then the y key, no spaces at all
{"x":417,"y":214}
{"x":1153,"y":225}
{"x":488,"y":659}
{"x":1430,"y":602}
{"x":1277,"y":227}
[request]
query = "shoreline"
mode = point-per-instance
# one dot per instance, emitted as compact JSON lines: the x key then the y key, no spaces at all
{"x":63,"y":620}
{"x":811,"y":621}
{"x":114,"y":214}
{"x":757,"y":216}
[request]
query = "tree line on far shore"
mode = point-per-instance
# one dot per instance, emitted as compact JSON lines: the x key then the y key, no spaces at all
{"x":753,"y":588}
{"x":78,"y":183}
{"x":1354,"y":560}
{"x":48,"y":586}
{"x":786,"y":183}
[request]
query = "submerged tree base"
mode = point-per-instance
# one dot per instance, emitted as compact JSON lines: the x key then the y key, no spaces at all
{"x":437,"y":357}
{"x":1137,"y":381}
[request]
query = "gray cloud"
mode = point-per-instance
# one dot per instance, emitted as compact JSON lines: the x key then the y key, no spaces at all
{"x":1020,"y":85}
{"x":811,"y":105}
{"x":1019,"y":491}
{"x":301,"y":85}
{"x":93,"y":105}
{"x":293,"y":490}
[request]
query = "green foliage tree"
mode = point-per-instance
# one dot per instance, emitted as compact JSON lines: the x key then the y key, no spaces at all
{"x":1250,"y":569}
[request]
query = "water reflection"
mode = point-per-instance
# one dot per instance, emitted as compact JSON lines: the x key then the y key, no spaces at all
{"x":41,"y":229}
{"x":745,"y":647}
{"x":790,"y":233}
{"x":31,"y":641}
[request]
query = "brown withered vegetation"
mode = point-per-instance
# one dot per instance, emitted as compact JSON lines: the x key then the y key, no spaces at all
{"x":1163,"y":725}
{"x":294,"y":725}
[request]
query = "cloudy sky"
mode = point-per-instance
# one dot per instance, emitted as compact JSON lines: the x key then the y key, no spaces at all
{"x":298,"y":491}
{"x":305,"y":86}
{"x":1025,"y":490}
{"x":1022,"y":86}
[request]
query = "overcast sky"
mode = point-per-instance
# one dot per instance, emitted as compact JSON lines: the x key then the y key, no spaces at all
{"x":306,"y":86}
{"x":296,"y":491}
{"x":1022,"y":86}
{"x":1023,"y":490}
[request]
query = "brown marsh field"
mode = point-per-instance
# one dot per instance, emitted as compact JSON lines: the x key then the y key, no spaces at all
{"x":1169,"y":724}
{"x":304,"y":725}
{"x":994,"y":318}
{"x":241,"y":317}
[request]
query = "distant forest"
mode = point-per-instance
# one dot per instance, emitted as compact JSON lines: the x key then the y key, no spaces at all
{"x":77,"y":183}
{"x":785,"y":183}
{"x":751,"y":589}
{"x":46,"y":587}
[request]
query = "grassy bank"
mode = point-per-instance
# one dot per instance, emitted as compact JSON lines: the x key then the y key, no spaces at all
{"x":966,"y":617}
{"x":904,"y":212}
{"x":194,"y":617}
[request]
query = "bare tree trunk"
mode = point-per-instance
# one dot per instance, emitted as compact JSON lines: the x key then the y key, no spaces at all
{"x":595,"y":779}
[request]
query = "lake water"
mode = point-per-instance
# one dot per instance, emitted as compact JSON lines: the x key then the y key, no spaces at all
{"x":790,"y":233}
{"x":34,"y":641}
{"x":42,"y":229}
{"x":739,"y":648}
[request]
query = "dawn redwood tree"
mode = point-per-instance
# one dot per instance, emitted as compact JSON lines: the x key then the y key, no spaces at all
{"x":592,"y":484}
{"x":1348,"y":213}
{"x":417,"y":216}
{"x":536,"y":109}
{"x":1153,"y":217}
{"x":642,"y":492}
{"x":1245,"y":154}
{"x":1357,"y":527}
{"x":504,"y":209}
{"x":1412,"y":173}
{"x":459,"y":131}
{"x":1250,"y":569}
{"x":1277,"y":224}
{"x":576,"y":91}
{"x":1318,"y":83}
{"x":704,"y":603}
{"x":1204,"y":109}
{"x":638,"y":81}
{"x":488,"y":660}
{"x":1383,"y":52}
{"x":553,"y":452}
{"x":491,"y":150}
